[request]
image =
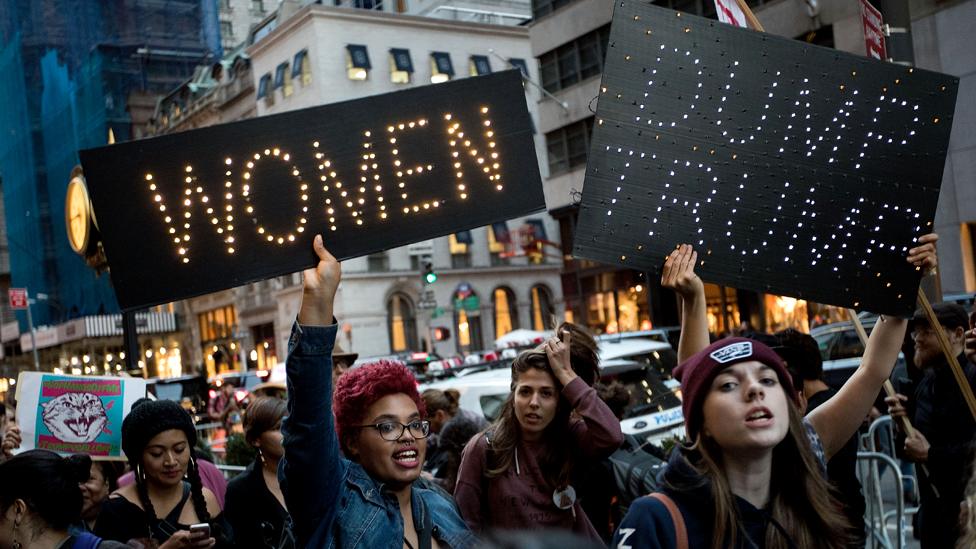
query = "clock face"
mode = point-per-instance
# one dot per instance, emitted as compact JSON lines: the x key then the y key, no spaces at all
{"x":77,"y":214}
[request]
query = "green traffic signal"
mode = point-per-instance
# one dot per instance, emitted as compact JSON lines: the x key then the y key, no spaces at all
{"x":430,"y":276}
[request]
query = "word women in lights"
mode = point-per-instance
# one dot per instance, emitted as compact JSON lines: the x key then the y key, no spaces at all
{"x":366,"y":197}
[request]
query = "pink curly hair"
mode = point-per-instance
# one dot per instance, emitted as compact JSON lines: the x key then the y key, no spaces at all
{"x":360,"y":387}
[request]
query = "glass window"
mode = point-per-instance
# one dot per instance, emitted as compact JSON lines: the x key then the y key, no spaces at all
{"x":574,"y":61}
{"x":376,"y":263}
{"x":567,"y":147}
{"x":401,"y":66}
{"x":506,"y":311}
{"x":441,"y":68}
{"x":283,"y":79}
{"x":263,"y":85}
{"x":568,"y":65}
{"x":402,"y":323}
{"x":479,"y":65}
{"x":521,"y":65}
{"x":357,"y":62}
{"x":550,"y":73}
{"x":542,"y":311}
{"x":226,"y":31}
{"x":301,"y":67}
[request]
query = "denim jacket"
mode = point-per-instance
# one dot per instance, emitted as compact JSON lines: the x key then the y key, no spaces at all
{"x":334,"y":503}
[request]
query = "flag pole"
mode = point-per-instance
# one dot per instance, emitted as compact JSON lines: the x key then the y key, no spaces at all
{"x":750,"y":17}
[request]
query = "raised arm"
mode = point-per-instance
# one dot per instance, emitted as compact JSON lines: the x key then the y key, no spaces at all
{"x":839,"y":418}
{"x":311,"y":470}
{"x":679,"y":275}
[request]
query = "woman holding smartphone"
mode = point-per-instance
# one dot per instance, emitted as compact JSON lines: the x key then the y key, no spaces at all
{"x":167,"y":507}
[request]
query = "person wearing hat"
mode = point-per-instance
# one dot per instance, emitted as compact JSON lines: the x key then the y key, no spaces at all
{"x":168,"y":496}
{"x":944,"y":428}
{"x":341,"y":361}
{"x":753,"y":471}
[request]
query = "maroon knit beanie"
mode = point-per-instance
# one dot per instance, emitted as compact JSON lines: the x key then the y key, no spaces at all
{"x":696,"y":374}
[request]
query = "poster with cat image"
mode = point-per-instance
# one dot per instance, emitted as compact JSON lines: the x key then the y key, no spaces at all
{"x":75,"y":414}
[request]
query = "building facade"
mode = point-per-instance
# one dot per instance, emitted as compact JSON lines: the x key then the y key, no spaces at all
{"x":304,"y":56}
{"x":78,"y":75}
{"x":324,"y":54}
{"x":569,"y":40}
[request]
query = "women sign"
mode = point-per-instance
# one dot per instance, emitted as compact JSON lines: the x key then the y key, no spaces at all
{"x":203,"y":210}
{"x":74,"y":414}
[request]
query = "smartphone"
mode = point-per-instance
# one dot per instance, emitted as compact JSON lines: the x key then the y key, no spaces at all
{"x":201,"y":530}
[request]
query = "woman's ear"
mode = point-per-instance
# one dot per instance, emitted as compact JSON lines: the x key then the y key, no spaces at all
{"x":352,"y":445}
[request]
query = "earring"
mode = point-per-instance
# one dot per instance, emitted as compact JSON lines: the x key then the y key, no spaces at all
{"x":16,"y":544}
{"x":140,"y":472}
{"x":261,"y":455}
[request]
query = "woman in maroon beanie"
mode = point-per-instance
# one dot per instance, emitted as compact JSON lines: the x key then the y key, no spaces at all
{"x":753,"y":473}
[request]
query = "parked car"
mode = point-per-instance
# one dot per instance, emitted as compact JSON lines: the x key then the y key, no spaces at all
{"x":841,"y":348}
{"x":667,"y":334}
{"x":642,"y":365}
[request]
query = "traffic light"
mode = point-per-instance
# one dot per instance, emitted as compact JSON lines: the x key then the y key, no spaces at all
{"x":442,"y":334}
{"x":430,"y":276}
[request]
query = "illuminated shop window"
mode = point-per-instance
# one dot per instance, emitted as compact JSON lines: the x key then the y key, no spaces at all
{"x":542,"y":311}
{"x":506,"y":311}
{"x":441,"y":68}
{"x":401,"y":66}
{"x":479,"y":65}
{"x":357,"y":62}
{"x":402,"y":323}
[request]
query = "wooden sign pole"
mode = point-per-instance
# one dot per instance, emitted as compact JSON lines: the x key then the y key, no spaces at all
{"x":750,"y":17}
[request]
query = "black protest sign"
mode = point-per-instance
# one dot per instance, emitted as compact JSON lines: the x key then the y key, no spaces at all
{"x":208,"y":209}
{"x":792,"y":169}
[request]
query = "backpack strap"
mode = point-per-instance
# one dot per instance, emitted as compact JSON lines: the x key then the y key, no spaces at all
{"x":680,"y":533}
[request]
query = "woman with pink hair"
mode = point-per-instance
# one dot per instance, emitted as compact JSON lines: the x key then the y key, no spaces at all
{"x":363,"y":496}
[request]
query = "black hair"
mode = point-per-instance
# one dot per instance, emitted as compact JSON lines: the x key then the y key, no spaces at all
{"x":47,"y":483}
{"x":801,"y":353}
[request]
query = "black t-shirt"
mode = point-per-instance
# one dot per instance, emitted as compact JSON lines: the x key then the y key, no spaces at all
{"x":842,"y":469}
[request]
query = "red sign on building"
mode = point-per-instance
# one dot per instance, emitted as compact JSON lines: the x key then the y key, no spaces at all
{"x":873,"y":36}
{"x":17,"y":297}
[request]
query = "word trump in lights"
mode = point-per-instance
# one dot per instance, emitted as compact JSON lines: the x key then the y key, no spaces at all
{"x":361,"y":194}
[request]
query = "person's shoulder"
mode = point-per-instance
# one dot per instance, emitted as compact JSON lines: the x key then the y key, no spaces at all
{"x":477,"y":443}
{"x":126,"y":494}
{"x":647,"y":524}
{"x":213,"y":505}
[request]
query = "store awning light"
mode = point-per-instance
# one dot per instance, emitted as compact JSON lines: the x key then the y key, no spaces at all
{"x":357,"y":62}
{"x":441,"y":68}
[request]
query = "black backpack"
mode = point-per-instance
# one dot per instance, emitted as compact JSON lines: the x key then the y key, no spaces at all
{"x":635,"y":469}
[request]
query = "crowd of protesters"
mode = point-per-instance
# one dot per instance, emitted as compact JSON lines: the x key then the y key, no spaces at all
{"x":357,"y":457}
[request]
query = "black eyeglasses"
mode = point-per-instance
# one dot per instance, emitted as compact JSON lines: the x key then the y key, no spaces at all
{"x":393,"y":430}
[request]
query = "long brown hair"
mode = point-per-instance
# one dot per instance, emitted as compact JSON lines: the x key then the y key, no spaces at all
{"x":556,"y":461}
{"x":801,"y":500}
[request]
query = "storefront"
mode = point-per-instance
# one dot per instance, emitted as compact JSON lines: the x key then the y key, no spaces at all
{"x":93,"y":345}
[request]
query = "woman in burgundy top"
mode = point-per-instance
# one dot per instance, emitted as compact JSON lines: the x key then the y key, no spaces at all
{"x":517,"y":474}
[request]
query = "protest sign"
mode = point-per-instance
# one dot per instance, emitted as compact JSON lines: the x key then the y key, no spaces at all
{"x":199,"y":211}
{"x":793,"y":169}
{"x":75,"y":414}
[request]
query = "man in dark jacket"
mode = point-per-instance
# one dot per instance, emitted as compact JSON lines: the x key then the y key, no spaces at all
{"x":944,"y":427}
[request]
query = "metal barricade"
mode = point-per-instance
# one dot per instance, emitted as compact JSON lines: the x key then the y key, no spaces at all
{"x":231,"y":471}
{"x":872,"y":465}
